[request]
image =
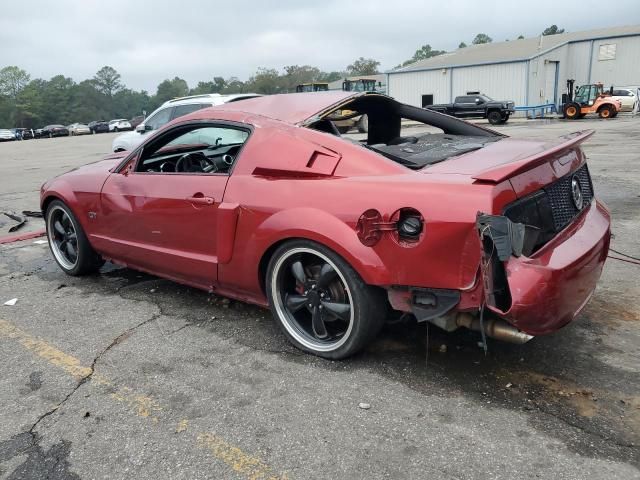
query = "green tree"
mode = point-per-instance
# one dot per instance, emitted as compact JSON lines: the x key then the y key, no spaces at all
{"x":266,"y":81}
{"x":520,"y":37}
{"x":482,"y":38}
{"x":216,"y":86}
{"x":169,"y":89}
{"x":552,"y":30}
{"x":331,"y":76}
{"x":297,"y":74}
{"x":363,"y":66}
{"x":107,"y":81}
{"x":235,"y":85}
{"x":462,"y":45}
{"x":12,"y":81}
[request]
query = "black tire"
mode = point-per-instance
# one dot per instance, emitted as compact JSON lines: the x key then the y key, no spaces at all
{"x":363,"y":124}
{"x":51,"y":135}
{"x":86,"y":259}
{"x":606,"y":111}
{"x":494,"y":117}
{"x":115,"y":129}
{"x":572,"y":111}
{"x":367,"y":305}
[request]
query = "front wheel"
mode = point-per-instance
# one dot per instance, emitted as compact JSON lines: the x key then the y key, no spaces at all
{"x":320,"y":302}
{"x":115,"y":129}
{"x":572,"y":111}
{"x":68,"y":242}
{"x":494,"y":117}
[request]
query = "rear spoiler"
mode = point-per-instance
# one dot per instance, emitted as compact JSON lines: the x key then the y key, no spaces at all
{"x":502,"y":172}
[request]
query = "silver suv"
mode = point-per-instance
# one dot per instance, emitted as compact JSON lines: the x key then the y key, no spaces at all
{"x":168,"y":111}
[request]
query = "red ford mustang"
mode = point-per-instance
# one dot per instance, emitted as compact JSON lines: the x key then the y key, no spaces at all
{"x":263,"y":201}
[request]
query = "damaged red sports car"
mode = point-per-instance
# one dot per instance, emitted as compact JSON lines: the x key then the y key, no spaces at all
{"x":263,"y":201}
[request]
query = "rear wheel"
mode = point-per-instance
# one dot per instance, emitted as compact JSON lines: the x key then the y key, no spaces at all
{"x":115,"y":129}
{"x":572,"y":111}
{"x":363,"y":124}
{"x":320,"y":302}
{"x":606,"y":111}
{"x":494,"y":117}
{"x":68,"y":242}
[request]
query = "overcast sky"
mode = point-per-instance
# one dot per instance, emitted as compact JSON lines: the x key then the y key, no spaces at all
{"x":148,"y":41}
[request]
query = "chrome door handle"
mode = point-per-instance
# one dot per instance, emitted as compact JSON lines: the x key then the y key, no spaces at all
{"x":201,"y":200}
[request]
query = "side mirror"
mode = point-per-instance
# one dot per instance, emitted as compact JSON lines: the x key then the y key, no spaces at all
{"x":477,"y":100}
{"x":141,"y":128}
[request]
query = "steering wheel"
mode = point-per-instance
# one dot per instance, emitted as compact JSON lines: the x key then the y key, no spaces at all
{"x":195,"y":162}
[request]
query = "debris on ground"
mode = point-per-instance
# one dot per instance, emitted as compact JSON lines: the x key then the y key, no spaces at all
{"x":13,"y":216}
{"x":32,"y":213}
{"x":364,"y":406}
{"x":11,"y":302}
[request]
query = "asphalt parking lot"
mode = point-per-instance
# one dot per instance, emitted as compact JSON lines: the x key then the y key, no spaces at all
{"x":124,"y":375}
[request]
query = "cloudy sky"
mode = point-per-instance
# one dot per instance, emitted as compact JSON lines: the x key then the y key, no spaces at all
{"x":150,"y":40}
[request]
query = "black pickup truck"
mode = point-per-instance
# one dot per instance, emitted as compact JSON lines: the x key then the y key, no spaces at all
{"x":477,"y":106}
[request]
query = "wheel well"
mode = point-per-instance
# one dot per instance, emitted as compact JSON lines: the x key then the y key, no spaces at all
{"x":47,"y":201}
{"x":264,"y":262}
{"x":119,"y":150}
{"x":605,"y":105}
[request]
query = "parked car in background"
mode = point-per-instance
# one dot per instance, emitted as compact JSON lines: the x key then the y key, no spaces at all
{"x":477,"y":106}
{"x":119,"y":125}
{"x":27,"y":133}
{"x":54,"y":131}
{"x":628,"y":98}
{"x":135,"y":121}
{"x":37,"y":133}
{"x":6,"y":135}
{"x":168,"y":111}
{"x":78,"y":129}
{"x":17,"y":133}
{"x":98,"y":126}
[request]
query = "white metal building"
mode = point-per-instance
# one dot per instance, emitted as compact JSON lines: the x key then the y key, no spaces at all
{"x":531,"y":71}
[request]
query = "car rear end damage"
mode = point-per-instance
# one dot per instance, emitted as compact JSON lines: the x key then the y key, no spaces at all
{"x":541,"y":255}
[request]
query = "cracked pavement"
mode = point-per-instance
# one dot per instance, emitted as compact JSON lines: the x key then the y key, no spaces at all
{"x":124,"y":375}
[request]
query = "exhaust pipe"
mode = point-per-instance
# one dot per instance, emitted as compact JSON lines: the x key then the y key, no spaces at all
{"x":494,"y":328}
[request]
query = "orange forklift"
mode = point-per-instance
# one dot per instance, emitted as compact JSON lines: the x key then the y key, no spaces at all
{"x":589,"y":99}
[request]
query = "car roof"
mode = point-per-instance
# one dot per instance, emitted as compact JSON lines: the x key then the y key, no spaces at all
{"x":292,"y":108}
{"x":213,"y":98}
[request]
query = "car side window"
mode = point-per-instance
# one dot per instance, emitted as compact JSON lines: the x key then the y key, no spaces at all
{"x":159,"y":119}
{"x":194,"y":150}
{"x":181,"y":110}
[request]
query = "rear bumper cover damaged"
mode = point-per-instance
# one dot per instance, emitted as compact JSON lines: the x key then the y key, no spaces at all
{"x":541,"y":293}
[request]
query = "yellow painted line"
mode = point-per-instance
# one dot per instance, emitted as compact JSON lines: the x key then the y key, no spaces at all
{"x":143,"y":406}
{"x":69,"y":364}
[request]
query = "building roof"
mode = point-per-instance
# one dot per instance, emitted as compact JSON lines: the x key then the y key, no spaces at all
{"x":514,"y":50}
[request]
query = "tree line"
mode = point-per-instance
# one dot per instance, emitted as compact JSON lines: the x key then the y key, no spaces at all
{"x":32,"y":103}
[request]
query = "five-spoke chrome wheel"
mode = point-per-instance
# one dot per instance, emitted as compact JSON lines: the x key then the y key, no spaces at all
{"x":320,"y":302}
{"x":62,"y":237}
{"x":313,"y":298}
{"x":68,"y":242}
